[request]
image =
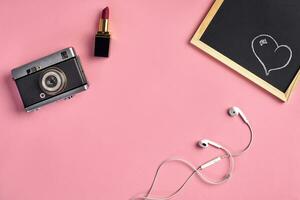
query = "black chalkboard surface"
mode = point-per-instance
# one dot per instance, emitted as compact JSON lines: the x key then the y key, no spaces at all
{"x":260,"y":39}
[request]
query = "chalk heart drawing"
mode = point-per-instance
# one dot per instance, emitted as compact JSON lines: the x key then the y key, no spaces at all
{"x":270,"y":54}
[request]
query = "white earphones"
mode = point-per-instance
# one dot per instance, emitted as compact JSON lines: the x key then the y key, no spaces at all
{"x":204,"y":143}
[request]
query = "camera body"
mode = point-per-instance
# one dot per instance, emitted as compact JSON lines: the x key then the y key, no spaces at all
{"x":51,"y":78}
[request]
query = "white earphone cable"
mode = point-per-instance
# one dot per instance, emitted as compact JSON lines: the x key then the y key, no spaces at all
{"x":249,"y":143}
{"x":236,"y":154}
{"x":196,"y":170}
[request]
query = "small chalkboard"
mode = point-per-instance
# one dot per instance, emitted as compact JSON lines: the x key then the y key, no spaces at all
{"x":260,"y":39}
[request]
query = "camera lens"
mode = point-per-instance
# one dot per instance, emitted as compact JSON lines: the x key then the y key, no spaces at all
{"x":53,"y":81}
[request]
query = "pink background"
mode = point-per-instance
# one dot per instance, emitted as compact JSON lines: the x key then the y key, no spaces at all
{"x":153,"y":98}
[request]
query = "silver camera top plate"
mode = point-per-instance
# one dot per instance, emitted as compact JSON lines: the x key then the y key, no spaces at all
{"x":44,"y":62}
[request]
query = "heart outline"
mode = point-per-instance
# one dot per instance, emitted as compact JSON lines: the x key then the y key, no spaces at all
{"x":278,"y":47}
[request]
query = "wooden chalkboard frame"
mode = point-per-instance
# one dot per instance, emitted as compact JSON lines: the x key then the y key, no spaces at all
{"x":196,"y":40}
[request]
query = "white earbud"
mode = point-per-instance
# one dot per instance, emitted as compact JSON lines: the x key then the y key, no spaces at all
{"x":234,"y":111}
{"x":205,"y":143}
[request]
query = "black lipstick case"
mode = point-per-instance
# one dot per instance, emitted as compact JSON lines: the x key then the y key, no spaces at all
{"x":102,"y":41}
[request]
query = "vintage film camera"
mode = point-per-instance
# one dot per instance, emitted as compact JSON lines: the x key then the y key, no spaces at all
{"x":51,"y":78}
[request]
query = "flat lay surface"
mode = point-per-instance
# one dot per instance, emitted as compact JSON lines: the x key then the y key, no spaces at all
{"x":153,"y":98}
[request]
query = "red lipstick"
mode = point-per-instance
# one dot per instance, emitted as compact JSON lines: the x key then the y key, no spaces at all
{"x":105,"y":13}
{"x":102,"y":39}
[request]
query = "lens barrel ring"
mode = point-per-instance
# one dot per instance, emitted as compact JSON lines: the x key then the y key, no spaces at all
{"x":52,"y":81}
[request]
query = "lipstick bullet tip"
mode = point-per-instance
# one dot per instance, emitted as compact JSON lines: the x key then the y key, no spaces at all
{"x":105,"y":13}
